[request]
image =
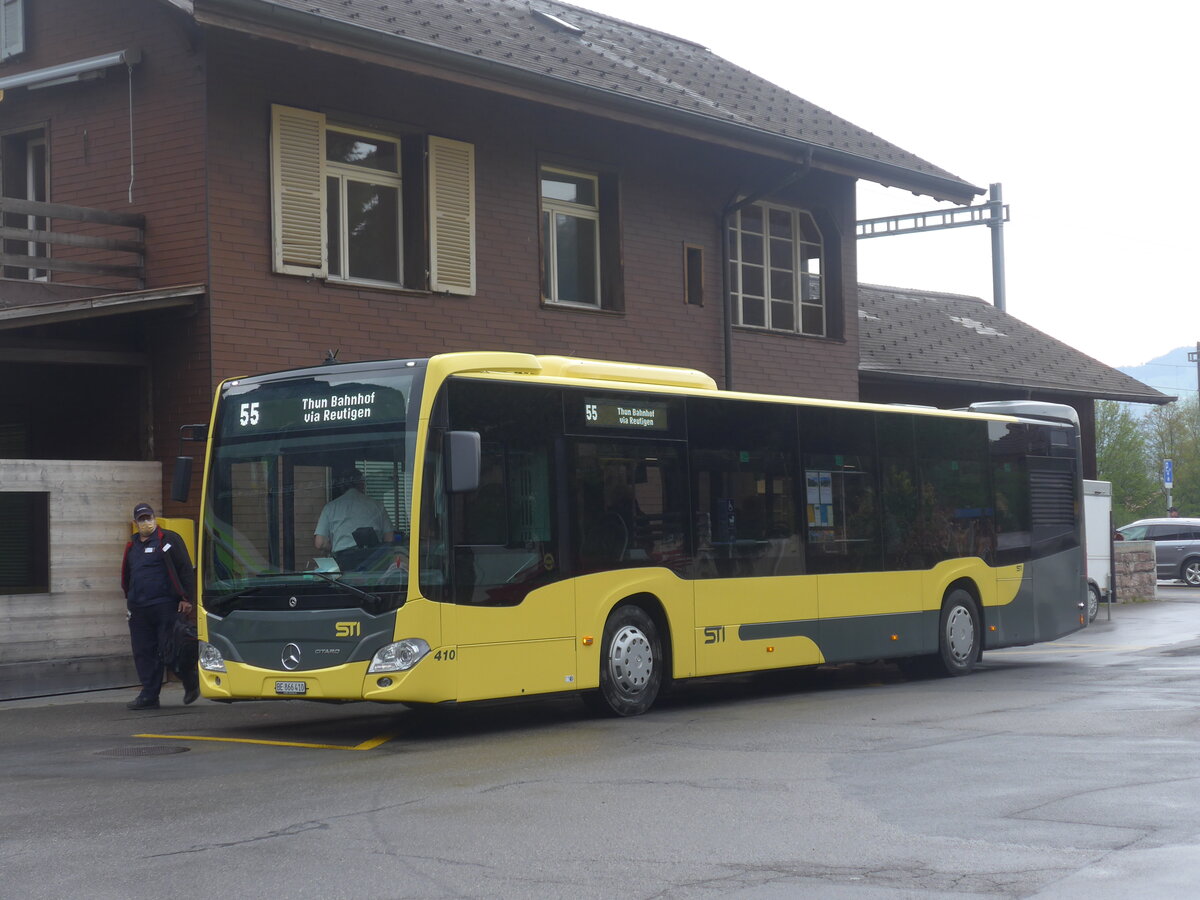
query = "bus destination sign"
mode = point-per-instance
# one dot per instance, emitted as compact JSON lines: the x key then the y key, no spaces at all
{"x":634,"y":415}
{"x":312,"y":404}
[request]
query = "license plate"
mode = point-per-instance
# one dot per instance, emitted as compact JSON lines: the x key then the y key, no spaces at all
{"x":290,"y":687}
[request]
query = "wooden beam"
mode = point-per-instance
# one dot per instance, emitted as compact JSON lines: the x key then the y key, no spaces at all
{"x":66,"y":265}
{"x":38,"y":236}
{"x":78,"y":213}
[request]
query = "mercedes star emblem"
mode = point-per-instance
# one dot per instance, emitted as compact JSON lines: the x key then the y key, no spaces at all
{"x":290,"y":657}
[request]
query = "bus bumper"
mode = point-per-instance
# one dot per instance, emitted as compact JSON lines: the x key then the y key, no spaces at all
{"x":338,"y":683}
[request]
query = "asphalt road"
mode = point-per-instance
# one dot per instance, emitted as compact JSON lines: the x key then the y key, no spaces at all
{"x":1063,"y":770}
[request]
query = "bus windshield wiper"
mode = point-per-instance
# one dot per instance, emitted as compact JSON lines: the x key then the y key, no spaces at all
{"x":330,"y":577}
{"x":226,"y":602}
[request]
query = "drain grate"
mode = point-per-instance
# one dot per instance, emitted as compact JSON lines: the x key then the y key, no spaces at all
{"x":145,"y":750}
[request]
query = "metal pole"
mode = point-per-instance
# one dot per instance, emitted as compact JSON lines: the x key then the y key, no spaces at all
{"x":996,"y":224}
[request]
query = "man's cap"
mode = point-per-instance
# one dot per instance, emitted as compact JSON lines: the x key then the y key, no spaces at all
{"x":1172,"y":509}
{"x":142,"y":509}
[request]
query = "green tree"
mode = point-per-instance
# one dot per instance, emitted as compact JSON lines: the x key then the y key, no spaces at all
{"x":1173,"y":432}
{"x":1123,"y":457}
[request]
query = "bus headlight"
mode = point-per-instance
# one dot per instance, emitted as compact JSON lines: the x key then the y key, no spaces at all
{"x":211,"y":659}
{"x":400,"y":656}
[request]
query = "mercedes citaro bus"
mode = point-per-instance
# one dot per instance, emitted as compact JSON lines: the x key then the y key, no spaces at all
{"x":604,"y":528}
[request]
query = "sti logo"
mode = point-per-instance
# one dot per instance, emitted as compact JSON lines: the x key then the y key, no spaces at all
{"x":347,"y":629}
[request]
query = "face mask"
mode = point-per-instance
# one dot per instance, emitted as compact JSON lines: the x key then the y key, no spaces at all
{"x":146,"y":526}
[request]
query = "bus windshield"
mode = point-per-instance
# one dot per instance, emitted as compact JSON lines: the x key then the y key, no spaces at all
{"x":310,"y":484}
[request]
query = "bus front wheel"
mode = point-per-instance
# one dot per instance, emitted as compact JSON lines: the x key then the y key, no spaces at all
{"x":631,"y":663}
{"x":959,"y":633}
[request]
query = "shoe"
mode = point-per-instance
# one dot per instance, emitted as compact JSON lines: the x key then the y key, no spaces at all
{"x":190,"y":695}
{"x":142,"y":703}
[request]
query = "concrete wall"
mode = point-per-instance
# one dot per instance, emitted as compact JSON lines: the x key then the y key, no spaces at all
{"x":1135,"y":571}
{"x":74,"y":638}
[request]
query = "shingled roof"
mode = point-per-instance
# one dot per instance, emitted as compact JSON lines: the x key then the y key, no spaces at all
{"x":952,"y":338}
{"x":568,"y":48}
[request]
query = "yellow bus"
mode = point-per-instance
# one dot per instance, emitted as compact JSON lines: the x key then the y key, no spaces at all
{"x":488,"y":525}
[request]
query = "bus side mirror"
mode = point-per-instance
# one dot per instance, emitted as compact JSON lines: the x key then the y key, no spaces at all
{"x":181,"y":481}
{"x":462,"y":458}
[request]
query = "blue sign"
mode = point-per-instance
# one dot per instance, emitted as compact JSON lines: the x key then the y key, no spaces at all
{"x":1168,"y":474}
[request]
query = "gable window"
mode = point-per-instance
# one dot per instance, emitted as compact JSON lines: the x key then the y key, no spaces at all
{"x":775,"y":256}
{"x":571,"y":237}
{"x":352,"y":204}
{"x":12,"y":28}
{"x":23,"y":177}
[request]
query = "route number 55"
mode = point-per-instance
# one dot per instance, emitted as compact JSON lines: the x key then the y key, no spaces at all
{"x":248,"y":414}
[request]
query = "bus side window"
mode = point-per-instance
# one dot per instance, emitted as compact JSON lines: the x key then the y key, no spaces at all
{"x":1010,"y":491}
{"x":503,"y":543}
{"x":744,"y":476}
{"x":840,"y":494}
{"x":899,"y":493}
{"x":956,"y":513}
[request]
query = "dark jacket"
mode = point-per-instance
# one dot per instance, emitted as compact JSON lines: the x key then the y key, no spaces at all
{"x":170,"y":548}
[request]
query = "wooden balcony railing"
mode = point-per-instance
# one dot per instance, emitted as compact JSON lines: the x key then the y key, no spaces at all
{"x":132,"y":246}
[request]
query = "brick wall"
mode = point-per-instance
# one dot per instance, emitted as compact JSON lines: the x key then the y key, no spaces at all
{"x":89,"y":150}
{"x":88,"y":129}
{"x":672,"y":192}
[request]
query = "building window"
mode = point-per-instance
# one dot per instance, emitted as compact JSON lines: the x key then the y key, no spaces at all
{"x":23,"y":177}
{"x":24,"y":542}
{"x":363,"y":206}
{"x":775,"y":256}
{"x":12,"y":28}
{"x":570,"y":237}
{"x":351,"y":204}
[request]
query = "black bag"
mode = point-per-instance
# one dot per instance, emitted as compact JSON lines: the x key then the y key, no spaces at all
{"x":180,"y":650}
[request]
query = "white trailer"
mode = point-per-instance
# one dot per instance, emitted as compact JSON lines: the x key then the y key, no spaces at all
{"x":1098,"y":531}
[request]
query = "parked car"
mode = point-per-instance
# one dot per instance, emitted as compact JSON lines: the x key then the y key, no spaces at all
{"x":1176,"y":546}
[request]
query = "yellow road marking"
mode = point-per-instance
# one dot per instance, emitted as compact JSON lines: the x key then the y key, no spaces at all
{"x":365,"y":745}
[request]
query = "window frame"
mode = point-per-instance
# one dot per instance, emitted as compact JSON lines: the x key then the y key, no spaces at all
{"x":436,"y":202}
{"x":801,"y":276}
{"x":12,"y":28}
{"x":549,"y":241}
{"x":343,"y":173}
{"x":20,"y":149}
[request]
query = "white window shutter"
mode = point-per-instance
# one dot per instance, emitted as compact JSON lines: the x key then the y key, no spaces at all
{"x":12,"y":28}
{"x":451,"y":216}
{"x":298,"y":238}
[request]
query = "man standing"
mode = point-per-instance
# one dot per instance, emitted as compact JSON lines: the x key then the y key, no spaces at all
{"x":159,"y":584}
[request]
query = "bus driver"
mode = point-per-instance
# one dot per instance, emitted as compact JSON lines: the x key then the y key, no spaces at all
{"x":352,"y":521}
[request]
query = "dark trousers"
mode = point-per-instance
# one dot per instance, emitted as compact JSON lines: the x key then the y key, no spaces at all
{"x":149,"y":627}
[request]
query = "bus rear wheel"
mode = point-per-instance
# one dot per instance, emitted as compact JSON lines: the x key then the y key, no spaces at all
{"x":958,"y":633}
{"x":631,"y":663}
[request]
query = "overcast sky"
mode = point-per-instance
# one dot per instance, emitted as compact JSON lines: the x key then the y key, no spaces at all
{"x":1084,"y":112}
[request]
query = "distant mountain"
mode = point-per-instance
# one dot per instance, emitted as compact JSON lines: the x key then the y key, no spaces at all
{"x":1170,"y":373}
